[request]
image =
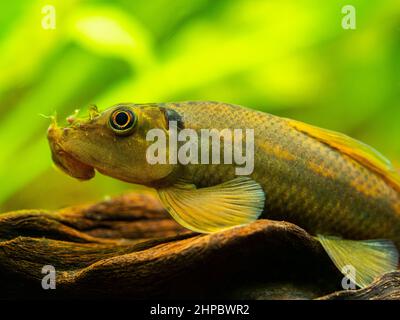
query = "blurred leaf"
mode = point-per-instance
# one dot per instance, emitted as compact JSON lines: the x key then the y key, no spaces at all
{"x":109,"y":31}
{"x":288,"y":57}
{"x":28,"y":45}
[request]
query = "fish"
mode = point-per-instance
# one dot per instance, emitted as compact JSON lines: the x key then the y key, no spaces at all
{"x":342,"y":191}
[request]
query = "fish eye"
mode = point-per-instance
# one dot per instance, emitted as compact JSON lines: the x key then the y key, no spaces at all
{"x":122,"y":121}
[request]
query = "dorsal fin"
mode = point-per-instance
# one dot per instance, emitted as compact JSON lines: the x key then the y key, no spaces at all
{"x":357,"y":150}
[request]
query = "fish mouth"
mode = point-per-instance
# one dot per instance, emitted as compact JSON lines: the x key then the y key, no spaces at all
{"x":65,"y":160}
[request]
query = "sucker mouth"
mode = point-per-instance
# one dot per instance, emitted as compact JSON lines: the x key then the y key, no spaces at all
{"x":71,"y":166}
{"x":64,"y":160}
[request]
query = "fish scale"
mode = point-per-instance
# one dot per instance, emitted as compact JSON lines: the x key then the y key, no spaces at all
{"x":353,"y":203}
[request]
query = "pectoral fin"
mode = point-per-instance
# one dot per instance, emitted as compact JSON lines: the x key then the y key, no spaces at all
{"x":369,"y":258}
{"x":236,"y":202}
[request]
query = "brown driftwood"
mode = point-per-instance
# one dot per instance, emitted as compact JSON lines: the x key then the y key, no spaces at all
{"x":128,"y":247}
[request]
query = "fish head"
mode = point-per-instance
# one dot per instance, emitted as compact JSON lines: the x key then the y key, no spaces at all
{"x":112,"y":142}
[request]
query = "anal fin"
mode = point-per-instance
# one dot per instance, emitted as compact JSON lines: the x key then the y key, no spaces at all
{"x":368,"y":258}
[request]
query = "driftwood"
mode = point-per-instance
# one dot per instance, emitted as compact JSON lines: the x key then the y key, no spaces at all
{"x":129,"y":247}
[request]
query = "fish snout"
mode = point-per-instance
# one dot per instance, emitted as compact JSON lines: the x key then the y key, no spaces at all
{"x":63,"y":159}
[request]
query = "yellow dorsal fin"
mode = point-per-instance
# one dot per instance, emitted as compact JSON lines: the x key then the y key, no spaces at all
{"x":211,"y":209}
{"x":357,"y":150}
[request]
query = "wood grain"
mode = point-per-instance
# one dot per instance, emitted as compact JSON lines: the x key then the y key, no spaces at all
{"x":129,"y":247}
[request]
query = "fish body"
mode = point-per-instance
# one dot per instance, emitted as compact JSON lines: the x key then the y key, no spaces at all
{"x":339,"y":189}
{"x":305,"y":181}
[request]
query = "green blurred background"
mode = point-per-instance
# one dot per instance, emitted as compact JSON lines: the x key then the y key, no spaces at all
{"x":290,"y":58}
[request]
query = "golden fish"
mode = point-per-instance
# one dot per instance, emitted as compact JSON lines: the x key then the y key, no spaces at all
{"x":337,"y":188}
